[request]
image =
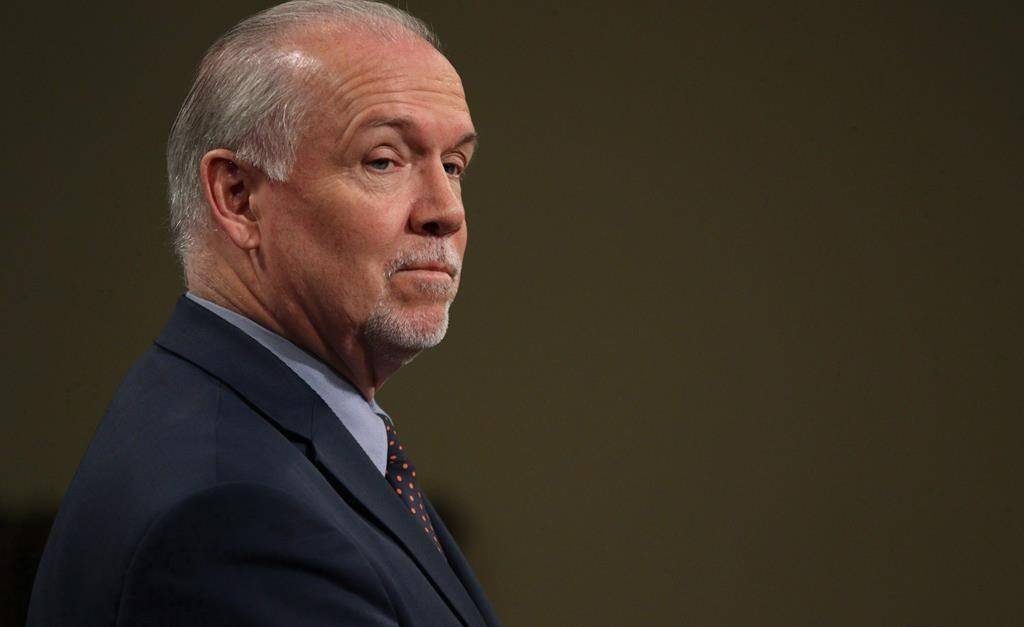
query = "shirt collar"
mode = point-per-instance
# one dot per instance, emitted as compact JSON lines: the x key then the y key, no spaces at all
{"x":362,"y":418}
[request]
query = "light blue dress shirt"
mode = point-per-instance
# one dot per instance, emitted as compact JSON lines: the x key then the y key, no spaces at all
{"x":362,"y":419}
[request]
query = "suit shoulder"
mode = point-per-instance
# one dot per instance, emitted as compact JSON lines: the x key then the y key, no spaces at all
{"x":172,"y":434}
{"x":153,"y":447}
{"x":160,"y":381}
{"x":161,"y":421}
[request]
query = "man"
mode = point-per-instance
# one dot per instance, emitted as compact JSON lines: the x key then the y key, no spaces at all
{"x":244,"y":474}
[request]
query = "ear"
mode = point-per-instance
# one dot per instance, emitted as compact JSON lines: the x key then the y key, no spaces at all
{"x":227,"y":185}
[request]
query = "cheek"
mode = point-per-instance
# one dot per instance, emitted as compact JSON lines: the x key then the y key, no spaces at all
{"x":356,"y":252}
{"x":377,"y":229}
{"x":349,"y":234}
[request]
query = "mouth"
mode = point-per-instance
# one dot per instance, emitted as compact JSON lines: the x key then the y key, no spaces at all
{"x":431,"y":268}
{"x":438,"y":264}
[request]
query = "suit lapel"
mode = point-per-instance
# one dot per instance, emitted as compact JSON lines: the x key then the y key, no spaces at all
{"x":333,"y":446}
{"x":240,"y":362}
{"x":258,"y":376}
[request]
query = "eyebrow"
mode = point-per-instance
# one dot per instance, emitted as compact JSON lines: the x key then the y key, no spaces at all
{"x":406,"y":124}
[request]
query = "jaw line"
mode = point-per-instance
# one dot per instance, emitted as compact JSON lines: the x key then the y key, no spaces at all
{"x":399,"y":336}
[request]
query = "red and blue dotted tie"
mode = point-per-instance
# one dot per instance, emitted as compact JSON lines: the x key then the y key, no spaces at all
{"x":401,"y":474}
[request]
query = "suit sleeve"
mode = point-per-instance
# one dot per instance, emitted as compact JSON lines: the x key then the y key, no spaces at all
{"x":249,"y":555}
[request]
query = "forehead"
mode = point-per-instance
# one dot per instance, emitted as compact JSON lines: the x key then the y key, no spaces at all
{"x":364,"y":75}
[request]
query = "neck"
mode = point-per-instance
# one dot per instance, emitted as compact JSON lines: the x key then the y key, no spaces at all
{"x":345,"y":354}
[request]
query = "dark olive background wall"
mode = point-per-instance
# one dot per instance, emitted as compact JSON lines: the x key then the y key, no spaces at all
{"x":739,"y":341}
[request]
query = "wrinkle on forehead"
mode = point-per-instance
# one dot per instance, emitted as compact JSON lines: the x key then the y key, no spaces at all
{"x":354,"y":96}
{"x":407,"y":68}
{"x":394,"y":78}
{"x":347,"y":70}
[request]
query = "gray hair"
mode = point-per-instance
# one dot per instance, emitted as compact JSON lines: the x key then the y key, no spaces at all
{"x":247,"y":96}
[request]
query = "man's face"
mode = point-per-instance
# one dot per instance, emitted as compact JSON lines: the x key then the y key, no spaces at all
{"x":364,"y":241}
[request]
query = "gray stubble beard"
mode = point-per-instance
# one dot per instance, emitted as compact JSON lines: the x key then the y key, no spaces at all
{"x":396,"y":337}
{"x":399,"y":339}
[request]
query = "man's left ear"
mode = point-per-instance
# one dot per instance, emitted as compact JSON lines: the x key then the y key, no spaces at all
{"x":227,"y":184}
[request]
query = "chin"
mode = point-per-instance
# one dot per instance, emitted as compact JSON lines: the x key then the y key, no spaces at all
{"x":401,"y":335}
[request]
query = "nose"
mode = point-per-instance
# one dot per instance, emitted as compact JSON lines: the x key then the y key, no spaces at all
{"x":437,"y":211}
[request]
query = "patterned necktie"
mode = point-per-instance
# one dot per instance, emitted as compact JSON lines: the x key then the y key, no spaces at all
{"x":401,"y":474}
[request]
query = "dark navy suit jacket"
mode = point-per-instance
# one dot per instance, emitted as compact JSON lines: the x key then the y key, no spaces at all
{"x":219,"y":489}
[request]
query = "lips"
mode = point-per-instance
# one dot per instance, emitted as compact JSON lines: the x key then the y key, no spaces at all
{"x":431,"y":267}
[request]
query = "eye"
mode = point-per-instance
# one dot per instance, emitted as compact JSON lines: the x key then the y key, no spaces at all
{"x":452,"y":168}
{"x":381,"y":165}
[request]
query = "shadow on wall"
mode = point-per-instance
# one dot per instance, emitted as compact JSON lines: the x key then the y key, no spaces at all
{"x":22,"y":538}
